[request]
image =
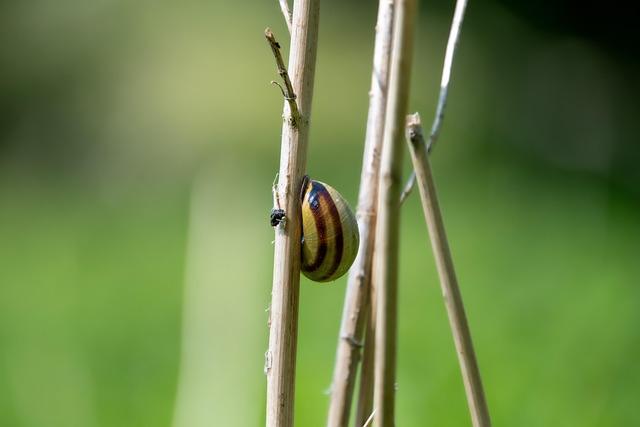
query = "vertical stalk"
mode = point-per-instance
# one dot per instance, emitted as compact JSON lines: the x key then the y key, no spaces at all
{"x":358,"y":286}
{"x":364,"y":407}
{"x":280,"y":359}
{"x":387,"y":230}
{"x":448,"y":281}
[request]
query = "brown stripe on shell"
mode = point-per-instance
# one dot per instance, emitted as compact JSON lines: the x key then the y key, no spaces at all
{"x":339,"y":236}
{"x":314,"y":193}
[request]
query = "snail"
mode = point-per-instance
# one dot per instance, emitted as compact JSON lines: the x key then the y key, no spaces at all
{"x":330,"y":236}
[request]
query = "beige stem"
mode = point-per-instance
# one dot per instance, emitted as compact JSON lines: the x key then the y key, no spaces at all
{"x":280,"y":359}
{"x":388,"y":223}
{"x":358,"y":287}
{"x":449,"y":283}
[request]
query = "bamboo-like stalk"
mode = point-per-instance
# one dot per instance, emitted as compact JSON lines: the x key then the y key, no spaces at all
{"x":452,"y":44}
{"x":448,"y":281}
{"x":280,"y":359}
{"x":358,"y":286}
{"x":387,"y":227}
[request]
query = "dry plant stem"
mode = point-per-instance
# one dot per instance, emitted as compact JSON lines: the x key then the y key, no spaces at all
{"x":284,"y":7}
{"x":387,"y":228}
{"x":452,"y":44}
{"x":288,"y":92}
{"x":365,"y":398}
{"x":368,"y":421}
{"x":357,"y":295}
{"x":364,"y":406}
{"x":448,"y":281}
{"x":280,"y":359}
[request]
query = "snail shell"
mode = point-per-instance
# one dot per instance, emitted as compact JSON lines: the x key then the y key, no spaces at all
{"x":330,"y":236}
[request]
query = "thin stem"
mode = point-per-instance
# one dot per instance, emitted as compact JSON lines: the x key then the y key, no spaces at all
{"x":284,"y":7}
{"x":452,"y":44}
{"x":366,"y":424}
{"x":280,"y":358}
{"x":387,"y":226}
{"x":408,"y":187}
{"x":365,"y":396}
{"x":287,"y":91}
{"x":449,"y":283}
{"x":358,"y":287}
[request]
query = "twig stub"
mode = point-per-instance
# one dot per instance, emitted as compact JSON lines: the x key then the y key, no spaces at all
{"x":287,"y":91}
{"x":414,"y":128}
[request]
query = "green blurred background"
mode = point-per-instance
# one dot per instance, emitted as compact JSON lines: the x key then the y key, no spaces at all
{"x":138,"y":144}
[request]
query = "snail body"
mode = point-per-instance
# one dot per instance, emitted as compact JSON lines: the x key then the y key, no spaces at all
{"x":330,"y":236}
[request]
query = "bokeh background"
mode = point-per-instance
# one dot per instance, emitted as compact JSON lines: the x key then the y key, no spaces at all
{"x":138,"y":144}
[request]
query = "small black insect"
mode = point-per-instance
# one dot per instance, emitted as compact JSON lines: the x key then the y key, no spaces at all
{"x":277,"y":217}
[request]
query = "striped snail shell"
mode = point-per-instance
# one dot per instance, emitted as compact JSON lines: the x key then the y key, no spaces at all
{"x":330,"y":236}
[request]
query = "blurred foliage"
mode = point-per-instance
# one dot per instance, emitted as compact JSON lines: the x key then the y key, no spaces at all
{"x":138,"y":144}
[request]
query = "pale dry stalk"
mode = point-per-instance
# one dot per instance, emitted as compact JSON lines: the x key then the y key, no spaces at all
{"x":388,"y":223}
{"x":448,"y":281}
{"x":356,"y":302}
{"x":280,"y":359}
{"x":364,"y":406}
